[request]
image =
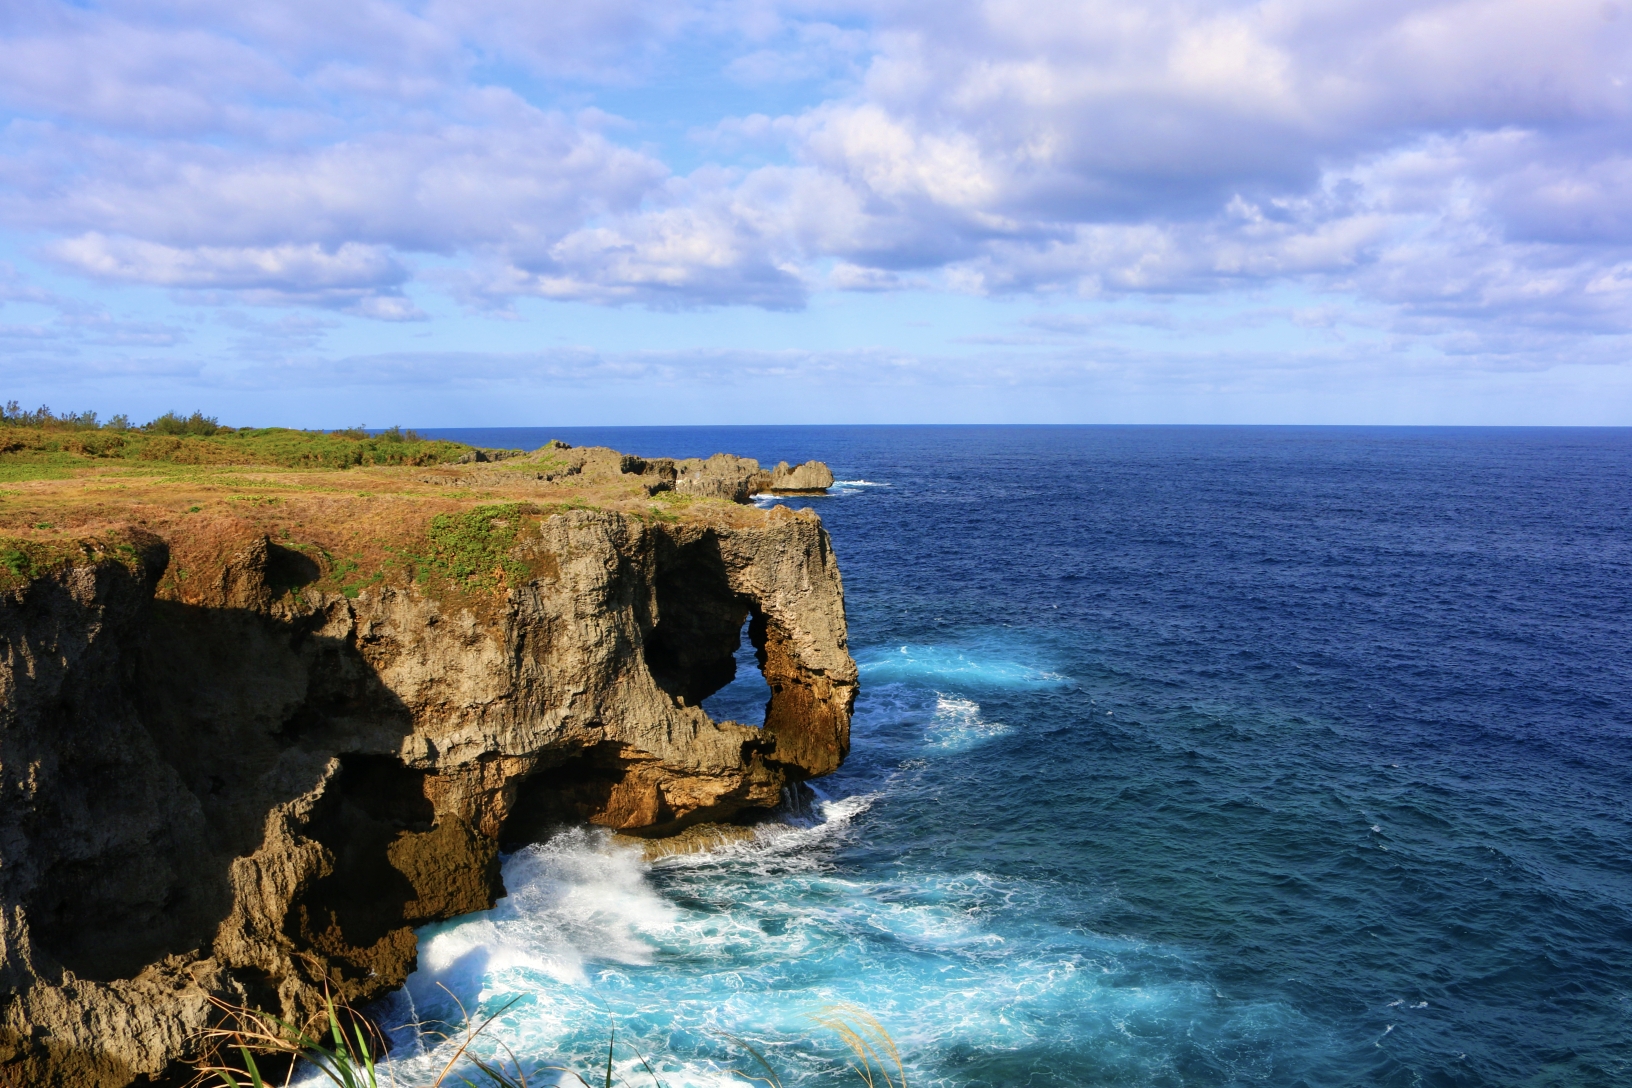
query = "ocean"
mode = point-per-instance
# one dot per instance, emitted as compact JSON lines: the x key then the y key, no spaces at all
{"x":1183,"y":756}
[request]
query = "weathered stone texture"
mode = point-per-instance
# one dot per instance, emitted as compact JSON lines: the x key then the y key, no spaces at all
{"x":253,"y":792}
{"x":808,"y":478}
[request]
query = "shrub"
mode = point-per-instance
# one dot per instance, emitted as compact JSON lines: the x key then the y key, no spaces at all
{"x":196,"y":424}
{"x":397,"y":434}
{"x":12,"y":415}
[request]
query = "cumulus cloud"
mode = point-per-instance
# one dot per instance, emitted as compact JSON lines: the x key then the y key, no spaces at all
{"x":360,"y":278}
{"x":1462,"y":163}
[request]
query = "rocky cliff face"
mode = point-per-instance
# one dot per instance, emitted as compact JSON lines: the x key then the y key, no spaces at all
{"x":247,"y":788}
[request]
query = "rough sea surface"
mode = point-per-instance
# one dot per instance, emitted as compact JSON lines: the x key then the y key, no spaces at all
{"x":1183,"y":756}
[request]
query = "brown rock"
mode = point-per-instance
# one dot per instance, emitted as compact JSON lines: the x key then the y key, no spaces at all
{"x":260,"y":790}
{"x":722,"y":476}
{"x":697,"y":839}
{"x":812,"y":477}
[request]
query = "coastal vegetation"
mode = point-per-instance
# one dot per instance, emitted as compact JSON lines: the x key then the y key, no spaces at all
{"x":345,"y":509}
{"x":41,"y":444}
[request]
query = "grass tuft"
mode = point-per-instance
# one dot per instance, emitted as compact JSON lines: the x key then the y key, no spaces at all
{"x":346,"y":1058}
{"x":473,"y":548}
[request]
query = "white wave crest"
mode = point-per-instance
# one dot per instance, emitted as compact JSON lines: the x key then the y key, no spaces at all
{"x":958,"y":724}
{"x":792,"y":843}
{"x":573,"y":900}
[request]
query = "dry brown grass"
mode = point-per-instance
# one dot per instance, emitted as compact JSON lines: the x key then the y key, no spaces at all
{"x":363,"y":526}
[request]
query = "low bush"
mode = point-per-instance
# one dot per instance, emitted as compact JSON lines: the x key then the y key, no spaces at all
{"x":199,"y":439}
{"x":196,"y":424}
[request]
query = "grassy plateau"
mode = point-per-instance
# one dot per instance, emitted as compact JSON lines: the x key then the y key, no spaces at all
{"x":366,"y":508}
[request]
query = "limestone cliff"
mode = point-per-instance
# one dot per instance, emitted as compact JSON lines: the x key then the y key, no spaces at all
{"x":220,"y":777}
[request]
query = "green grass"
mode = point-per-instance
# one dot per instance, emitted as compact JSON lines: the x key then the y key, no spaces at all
{"x":472,"y":548}
{"x":17,"y":474}
{"x":29,"y":450}
{"x":24,"y":560}
{"x":345,"y":1058}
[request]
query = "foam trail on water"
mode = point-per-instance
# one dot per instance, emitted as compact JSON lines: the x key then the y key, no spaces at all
{"x":572,"y":900}
{"x":839,"y":489}
{"x":754,"y":937}
{"x":958,"y":724}
{"x":942,"y":665}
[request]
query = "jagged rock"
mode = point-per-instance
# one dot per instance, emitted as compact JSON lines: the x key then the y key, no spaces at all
{"x":483,"y":456}
{"x":722,"y":476}
{"x":698,"y":839}
{"x":248,"y":790}
{"x":809,"y":478}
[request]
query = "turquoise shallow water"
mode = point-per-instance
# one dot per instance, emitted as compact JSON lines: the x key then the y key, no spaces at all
{"x":1184,"y":756}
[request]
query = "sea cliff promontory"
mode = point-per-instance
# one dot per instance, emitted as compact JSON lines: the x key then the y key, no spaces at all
{"x":261,"y":717}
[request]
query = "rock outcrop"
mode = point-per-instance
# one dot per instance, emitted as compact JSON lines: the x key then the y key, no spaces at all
{"x":245,"y":788}
{"x":722,"y":476}
{"x":809,"y":478}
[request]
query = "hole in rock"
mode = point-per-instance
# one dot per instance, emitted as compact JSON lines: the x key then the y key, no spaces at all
{"x":561,"y":796}
{"x":601,"y":786}
{"x":706,"y":649}
{"x":375,"y":801}
{"x":692,"y":649}
{"x":746,"y":698}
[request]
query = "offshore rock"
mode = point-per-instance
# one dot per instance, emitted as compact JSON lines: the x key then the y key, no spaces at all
{"x":809,"y":478}
{"x":244,"y":789}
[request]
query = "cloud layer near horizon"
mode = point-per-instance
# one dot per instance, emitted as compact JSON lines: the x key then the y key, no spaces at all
{"x":1464,"y":167}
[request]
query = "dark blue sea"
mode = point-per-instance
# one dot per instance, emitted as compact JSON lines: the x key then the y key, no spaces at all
{"x":1183,"y":756}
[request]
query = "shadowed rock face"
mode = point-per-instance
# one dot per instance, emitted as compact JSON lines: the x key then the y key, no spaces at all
{"x":260,"y":790}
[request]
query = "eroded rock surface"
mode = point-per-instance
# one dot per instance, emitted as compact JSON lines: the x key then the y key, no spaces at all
{"x":810,"y":477}
{"x":250,"y":790}
{"x":722,"y":476}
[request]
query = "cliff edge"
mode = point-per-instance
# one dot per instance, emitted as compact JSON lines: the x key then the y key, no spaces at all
{"x":257,"y":725}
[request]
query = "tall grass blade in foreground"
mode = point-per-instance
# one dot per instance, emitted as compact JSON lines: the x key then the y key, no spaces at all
{"x":770,"y":1078}
{"x":346,"y":1059}
{"x":868,"y":1041}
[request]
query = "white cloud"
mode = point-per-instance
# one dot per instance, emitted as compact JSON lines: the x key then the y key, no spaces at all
{"x":1462,"y":162}
{"x":286,"y":267}
{"x":361,"y":279}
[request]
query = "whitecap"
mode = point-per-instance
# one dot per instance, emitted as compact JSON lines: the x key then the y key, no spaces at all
{"x":958,"y":724}
{"x":574,"y":900}
{"x":790,"y":843}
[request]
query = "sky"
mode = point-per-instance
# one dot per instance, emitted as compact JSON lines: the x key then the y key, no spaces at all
{"x":531,"y":212}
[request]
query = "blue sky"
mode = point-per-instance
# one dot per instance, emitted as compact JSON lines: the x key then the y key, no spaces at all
{"x":519,"y":213}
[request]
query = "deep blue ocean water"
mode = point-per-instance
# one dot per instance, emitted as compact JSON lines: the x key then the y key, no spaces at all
{"x":1183,"y":756}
